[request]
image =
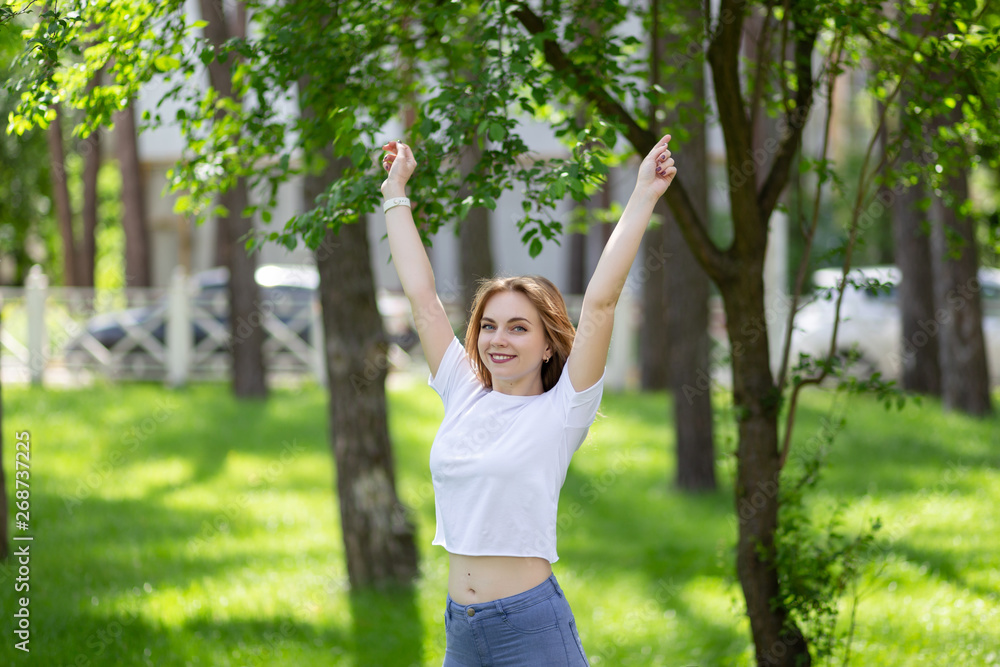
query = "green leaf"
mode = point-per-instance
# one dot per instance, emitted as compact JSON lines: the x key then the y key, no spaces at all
{"x":166,"y":63}
{"x":359,"y":155}
{"x":497,"y":132}
{"x":535,"y":248}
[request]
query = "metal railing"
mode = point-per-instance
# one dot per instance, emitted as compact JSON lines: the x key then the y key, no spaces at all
{"x":70,"y":335}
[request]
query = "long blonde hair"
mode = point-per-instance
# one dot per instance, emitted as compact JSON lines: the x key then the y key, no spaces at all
{"x":551,"y":306}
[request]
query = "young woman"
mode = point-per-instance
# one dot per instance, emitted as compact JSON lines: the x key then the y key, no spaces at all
{"x":519,"y":398}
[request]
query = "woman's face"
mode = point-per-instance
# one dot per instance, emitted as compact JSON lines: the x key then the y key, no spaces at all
{"x":512,"y":344}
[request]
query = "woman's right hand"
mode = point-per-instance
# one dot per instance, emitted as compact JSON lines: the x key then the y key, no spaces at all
{"x":400,"y":164}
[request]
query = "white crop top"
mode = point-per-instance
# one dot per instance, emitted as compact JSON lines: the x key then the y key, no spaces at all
{"x":498,"y":461}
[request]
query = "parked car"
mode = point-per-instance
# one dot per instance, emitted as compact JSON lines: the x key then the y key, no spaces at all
{"x":871,"y":325}
{"x":134,"y":338}
{"x":291,"y":285}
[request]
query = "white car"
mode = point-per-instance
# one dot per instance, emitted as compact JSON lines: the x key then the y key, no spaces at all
{"x":870,"y":321}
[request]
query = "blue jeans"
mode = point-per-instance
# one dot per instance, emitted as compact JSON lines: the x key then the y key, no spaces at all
{"x":535,"y":628}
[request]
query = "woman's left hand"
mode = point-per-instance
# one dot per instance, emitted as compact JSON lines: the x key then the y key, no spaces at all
{"x":657,"y":170}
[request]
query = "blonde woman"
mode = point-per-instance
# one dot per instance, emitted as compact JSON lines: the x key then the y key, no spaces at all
{"x":519,"y":397}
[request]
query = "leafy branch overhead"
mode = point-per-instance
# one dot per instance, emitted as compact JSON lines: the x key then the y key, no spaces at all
{"x":475,"y":75}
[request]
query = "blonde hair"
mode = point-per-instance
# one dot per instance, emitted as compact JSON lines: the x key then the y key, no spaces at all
{"x":551,"y":306}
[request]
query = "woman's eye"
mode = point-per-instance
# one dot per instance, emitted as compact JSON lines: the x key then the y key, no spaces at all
{"x":519,"y":328}
{"x":487,"y":326}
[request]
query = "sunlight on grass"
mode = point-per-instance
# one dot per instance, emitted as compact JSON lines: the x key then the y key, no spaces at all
{"x":186,"y":528}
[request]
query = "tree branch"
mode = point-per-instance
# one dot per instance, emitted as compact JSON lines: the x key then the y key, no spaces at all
{"x":723,"y":58}
{"x":763,"y":53}
{"x":642,"y":139}
{"x":794,"y":122}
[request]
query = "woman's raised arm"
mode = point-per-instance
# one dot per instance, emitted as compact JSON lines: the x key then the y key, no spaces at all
{"x":410,"y":258}
{"x":593,"y":335}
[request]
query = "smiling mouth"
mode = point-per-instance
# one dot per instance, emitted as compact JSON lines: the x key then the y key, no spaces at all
{"x":500,"y":358}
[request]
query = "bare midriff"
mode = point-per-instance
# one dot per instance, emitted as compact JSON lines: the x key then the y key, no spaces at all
{"x":473,"y":579}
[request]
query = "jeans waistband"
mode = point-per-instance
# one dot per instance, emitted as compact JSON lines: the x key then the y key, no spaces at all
{"x":532,"y":596}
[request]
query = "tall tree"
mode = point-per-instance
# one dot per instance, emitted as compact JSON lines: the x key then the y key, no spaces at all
{"x":656,"y":335}
{"x":90,"y":149}
{"x":685,"y":315}
{"x":920,"y":365}
{"x":134,"y":219}
{"x":60,"y":192}
{"x":965,"y":383}
{"x":378,"y":535}
{"x":965,"y":379}
{"x":475,"y":249}
{"x":920,"y":368}
{"x":377,"y":532}
{"x":26,"y":200}
{"x":935,"y":122}
{"x":245,"y":314}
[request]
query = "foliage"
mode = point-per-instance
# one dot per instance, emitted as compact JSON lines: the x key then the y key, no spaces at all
{"x":464,"y":70}
{"x":816,"y":555}
{"x":28,"y":234}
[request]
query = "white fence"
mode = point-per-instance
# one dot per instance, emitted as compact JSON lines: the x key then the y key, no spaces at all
{"x":70,"y":335}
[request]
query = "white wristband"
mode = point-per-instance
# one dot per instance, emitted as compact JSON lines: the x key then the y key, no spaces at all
{"x":395,"y":201}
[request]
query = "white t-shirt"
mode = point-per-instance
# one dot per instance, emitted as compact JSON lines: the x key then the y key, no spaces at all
{"x":499,"y":461}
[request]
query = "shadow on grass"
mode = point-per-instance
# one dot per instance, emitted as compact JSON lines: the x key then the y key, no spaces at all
{"x":130,"y":639}
{"x":387,"y":628}
{"x":942,"y":563}
{"x":899,"y":453}
{"x":611,"y":536}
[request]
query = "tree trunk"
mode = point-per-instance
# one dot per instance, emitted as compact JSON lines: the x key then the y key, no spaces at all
{"x":378,"y":535}
{"x":90,"y":148}
{"x":738,"y":271}
{"x":965,"y":381}
{"x":245,"y":314}
{"x":654,"y":333}
{"x":920,"y":368}
{"x":60,"y":192}
{"x":757,"y":403}
{"x":576,"y":278}
{"x":475,"y":248}
{"x":777,"y":638}
{"x":222,"y":249}
{"x":133,"y":201}
{"x":687,"y":294}
{"x":246,"y":317}
{"x":684,"y":286}
{"x":655,"y":337}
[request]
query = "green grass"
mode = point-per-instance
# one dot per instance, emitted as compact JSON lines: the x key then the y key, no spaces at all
{"x":183,"y":528}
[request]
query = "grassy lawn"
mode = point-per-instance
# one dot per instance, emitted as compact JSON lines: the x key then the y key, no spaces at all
{"x":182,"y":528}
